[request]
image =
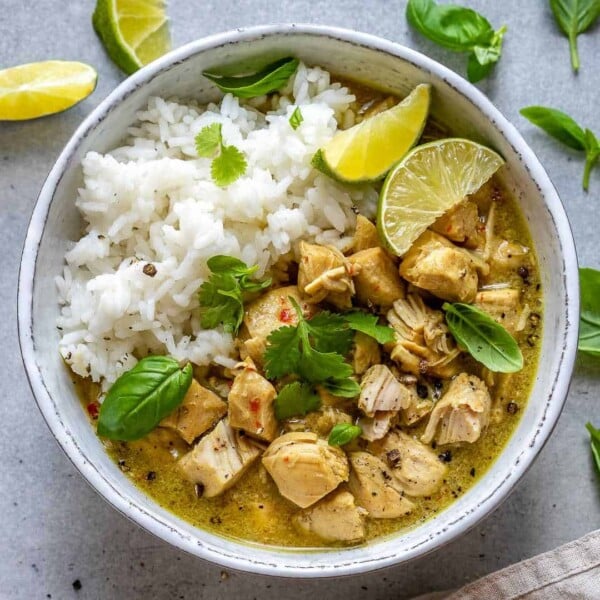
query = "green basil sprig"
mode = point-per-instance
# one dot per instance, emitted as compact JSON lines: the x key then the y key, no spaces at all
{"x":485,"y":339}
{"x":574,"y":17}
{"x":270,"y":79}
{"x":589,"y":324}
{"x":140,"y":398}
{"x":343,"y":433}
{"x":563,"y":128}
{"x":595,"y":443}
{"x":459,"y":29}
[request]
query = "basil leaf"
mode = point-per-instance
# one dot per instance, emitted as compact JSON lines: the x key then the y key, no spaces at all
{"x":342,"y":433}
{"x":594,"y":443}
{"x":295,"y":399}
{"x":368,"y":324}
{"x":477,"y":71}
{"x":296,"y":118}
{"x":485,"y":339}
{"x":589,"y":323}
{"x":272,"y":78}
{"x":557,"y":124}
{"x":140,"y":398}
{"x":574,"y":17}
{"x":454,"y":27}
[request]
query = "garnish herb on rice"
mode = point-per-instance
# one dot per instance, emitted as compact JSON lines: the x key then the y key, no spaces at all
{"x":296,"y":118}
{"x":270,"y":79}
{"x":228,"y":164}
{"x":222,"y":295}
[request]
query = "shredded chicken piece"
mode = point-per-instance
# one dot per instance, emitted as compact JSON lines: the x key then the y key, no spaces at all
{"x":219,"y":459}
{"x":417,"y":409}
{"x":365,"y":354}
{"x":375,"y":427}
{"x":504,"y":305}
{"x":461,"y":224}
{"x":198,"y":412}
{"x":365,"y":235}
{"x":251,"y":404}
{"x":415,"y":466}
{"x":462,"y":414}
{"x":324,"y":275}
{"x":437,"y":265}
{"x":319,"y":421}
{"x":304,"y":467}
{"x":375,"y":489}
{"x":381,"y":391}
{"x":335,"y":518}
{"x":376,"y":278}
{"x":423,"y":342}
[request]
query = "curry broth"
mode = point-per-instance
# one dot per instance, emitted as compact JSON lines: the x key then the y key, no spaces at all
{"x":253,"y":510}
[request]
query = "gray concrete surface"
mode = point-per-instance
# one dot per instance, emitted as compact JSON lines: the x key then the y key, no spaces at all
{"x":55,"y":530}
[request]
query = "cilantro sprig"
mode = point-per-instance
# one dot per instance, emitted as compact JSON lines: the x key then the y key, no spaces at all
{"x":295,"y":399}
{"x":222,"y":295}
{"x":314,"y":350}
{"x":296,"y":118}
{"x":228,"y":164}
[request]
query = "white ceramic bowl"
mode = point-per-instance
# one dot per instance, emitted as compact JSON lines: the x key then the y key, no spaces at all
{"x":55,"y":222}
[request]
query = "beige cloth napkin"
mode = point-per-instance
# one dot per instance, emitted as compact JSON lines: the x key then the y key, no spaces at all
{"x":571,"y":571}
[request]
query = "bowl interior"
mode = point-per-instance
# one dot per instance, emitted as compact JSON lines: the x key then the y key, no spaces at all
{"x":56,"y":224}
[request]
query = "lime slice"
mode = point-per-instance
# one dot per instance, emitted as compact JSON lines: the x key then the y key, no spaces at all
{"x":430,"y":180}
{"x":134,"y":32}
{"x":367,"y":151}
{"x":43,"y":88}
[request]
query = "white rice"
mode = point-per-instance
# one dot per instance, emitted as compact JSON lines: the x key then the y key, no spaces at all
{"x":153,"y":201}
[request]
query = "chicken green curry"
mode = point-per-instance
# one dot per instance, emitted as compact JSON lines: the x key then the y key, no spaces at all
{"x":356,"y":407}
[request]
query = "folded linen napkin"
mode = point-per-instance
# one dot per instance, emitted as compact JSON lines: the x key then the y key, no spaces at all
{"x":570,"y":571}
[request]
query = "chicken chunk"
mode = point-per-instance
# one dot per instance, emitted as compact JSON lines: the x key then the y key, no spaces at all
{"x":461,"y":224}
{"x":265,"y":314}
{"x":415,"y":467}
{"x":219,"y":459}
{"x":319,"y":421}
{"x":416,"y":410}
{"x":365,"y":235}
{"x":323,"y":275}
{"x":438,"y":266}
{"x":304,"y":467}
{"x":375,"y":489}
{"x":376,"y":278}
{"x":381,"y":391}
{"x":251,"y":404}
{"x":365,"y":353}
{"x":375,"y":427}
{"x":423,"y":343}
{"x":198,"y":412}
{"x":504,"y":305}
{"x":462,"y":413}
{"x":336,"y":518}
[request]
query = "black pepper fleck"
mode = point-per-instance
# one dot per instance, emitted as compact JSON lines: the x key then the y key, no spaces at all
{"x":151,"y":475}
{"x":149,"y":269}
{"x":422,"y":391}
{"x":445,"y":456}
{"x":77,"y":585}
{"x":472,"y":472}
{"x":512,"y":408}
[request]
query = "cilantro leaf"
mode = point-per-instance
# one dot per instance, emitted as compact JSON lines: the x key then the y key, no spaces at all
{"x":318,"y":366}
{"x":296,"y":118}
{"x":330,"y":333}
{"x":283,"y":353}
{"x":221,"y":297}
{"x":295,"y":399}
{"x":209,"y":140}
{"x":229,"y":166}
{"x":343,"y":388}
{"x":343,"y":433}
{"x":368,"y":324}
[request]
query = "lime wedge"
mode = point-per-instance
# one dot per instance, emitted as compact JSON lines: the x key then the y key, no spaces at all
{"x":430,"y":180}
{"x":134,"y":32}
{"x":43,"y":88}
{"x":367,"y":151}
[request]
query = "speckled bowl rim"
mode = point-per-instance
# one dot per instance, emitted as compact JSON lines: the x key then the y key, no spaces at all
{"x":272,"y":561}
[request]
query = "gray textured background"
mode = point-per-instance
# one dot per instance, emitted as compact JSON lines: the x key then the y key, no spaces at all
{"x":54,"y":529}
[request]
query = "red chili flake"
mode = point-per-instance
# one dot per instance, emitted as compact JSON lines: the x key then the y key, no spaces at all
{"x":285,"y":315}
{"x":92,"y":409}
{"x":254,"y":405}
